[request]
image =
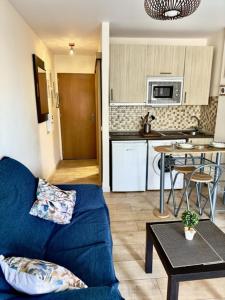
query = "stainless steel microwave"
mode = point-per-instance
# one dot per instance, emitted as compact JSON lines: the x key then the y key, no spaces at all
{"x":164,"y":91}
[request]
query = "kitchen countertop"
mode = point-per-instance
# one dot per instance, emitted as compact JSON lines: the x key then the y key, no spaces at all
{"x":159,"y":135}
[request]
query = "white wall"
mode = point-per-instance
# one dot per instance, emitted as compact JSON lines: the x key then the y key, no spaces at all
{"x":216,"y":40}
{"x":105,"y":106}
{"x":75,"y":63}
{"x":21,"y":137}
{"x":222,"y":80}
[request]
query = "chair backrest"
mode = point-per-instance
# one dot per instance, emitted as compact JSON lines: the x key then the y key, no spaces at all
{"x":172,"y":160}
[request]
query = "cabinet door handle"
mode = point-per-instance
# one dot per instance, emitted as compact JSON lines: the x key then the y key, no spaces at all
{"x":185,"y":97}
{"x":111,"y":94}
{"x":165,"y":73}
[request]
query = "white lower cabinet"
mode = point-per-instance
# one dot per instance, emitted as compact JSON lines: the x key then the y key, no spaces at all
{"x":129,"y":166}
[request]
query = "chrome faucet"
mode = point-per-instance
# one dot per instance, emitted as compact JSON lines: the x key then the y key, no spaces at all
{"x":198,"y":121}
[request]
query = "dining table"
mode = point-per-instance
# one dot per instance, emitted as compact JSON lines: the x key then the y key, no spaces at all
{"x":173,"y":150}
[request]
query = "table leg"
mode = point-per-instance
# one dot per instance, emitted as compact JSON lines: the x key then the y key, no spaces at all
{"x":214,"y":196}
{"x":162,"y":183}
{"x":200,"y":185}
{"x":162,"y":213}
{"x":172,"y":288}
{"x":148,"y":251}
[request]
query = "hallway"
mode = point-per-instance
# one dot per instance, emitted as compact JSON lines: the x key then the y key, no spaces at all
{"x":76,"y":171}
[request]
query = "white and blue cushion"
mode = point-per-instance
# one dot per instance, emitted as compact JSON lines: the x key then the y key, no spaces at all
{"x":53,"y":204}
{"x":35,"y":277}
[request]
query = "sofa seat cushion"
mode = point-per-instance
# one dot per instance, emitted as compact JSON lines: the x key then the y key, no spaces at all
{"x":97,"y":293}
{"x":22,"y":234}
{"x":85,"y":246}
{"x":5,"y":288}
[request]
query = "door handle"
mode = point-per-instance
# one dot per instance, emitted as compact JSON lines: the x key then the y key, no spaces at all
{"x":111,"y":94}
{"x":93,"y":117}
{"x":185,"y":97}
{"x":165,"y":73}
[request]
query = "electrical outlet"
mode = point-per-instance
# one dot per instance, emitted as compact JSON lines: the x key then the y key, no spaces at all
{"x":222,"y":90}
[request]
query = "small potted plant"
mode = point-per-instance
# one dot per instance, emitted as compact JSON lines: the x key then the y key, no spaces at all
{"x":190,"y":220}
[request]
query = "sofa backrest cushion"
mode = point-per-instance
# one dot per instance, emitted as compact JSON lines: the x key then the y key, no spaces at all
{"x":20,"y":233}
{"x":88,"y":196}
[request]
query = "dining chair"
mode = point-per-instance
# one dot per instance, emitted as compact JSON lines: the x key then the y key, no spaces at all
{"x":182,"y":170}
{"x":224,"y":196}
{"x":204,"y":174}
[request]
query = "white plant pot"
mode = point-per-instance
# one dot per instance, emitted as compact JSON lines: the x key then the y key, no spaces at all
{"x":189,"y":233}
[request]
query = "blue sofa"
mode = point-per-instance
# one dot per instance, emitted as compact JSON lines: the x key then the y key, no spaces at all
{"x":84,"y":246}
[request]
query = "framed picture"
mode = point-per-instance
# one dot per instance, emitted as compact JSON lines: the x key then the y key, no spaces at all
{"x":41,"y":89}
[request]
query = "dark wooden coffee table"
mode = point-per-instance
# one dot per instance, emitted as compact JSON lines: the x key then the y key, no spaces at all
{"x":183,"y":260}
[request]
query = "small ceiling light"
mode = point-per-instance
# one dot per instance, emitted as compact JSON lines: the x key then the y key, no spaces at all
{"x":71,"y":45}
{"x":170,"y":9}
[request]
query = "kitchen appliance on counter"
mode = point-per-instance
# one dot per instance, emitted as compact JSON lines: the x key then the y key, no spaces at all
{"x":154,"y":163}
{"x":164,"y":91}
{"x":146,"y":123}
{"x":129,"y":160}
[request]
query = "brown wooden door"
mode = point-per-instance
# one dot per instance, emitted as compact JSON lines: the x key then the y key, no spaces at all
{"x":77,"y":111}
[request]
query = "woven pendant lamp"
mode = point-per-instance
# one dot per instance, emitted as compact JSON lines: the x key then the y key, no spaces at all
{"x":170,"y":9}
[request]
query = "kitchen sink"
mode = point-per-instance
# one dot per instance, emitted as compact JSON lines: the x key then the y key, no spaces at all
{"x":193,"y":132}
{"x":171,"y":133}
{"x":183,"y":133}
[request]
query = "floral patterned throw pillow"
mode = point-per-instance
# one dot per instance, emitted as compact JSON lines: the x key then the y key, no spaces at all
{"x":35,"y":277}
{"x":53,"y":204}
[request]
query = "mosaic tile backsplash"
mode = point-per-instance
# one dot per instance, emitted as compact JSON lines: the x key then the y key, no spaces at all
{"x":128,"y":118}
{"x":208,"y":115}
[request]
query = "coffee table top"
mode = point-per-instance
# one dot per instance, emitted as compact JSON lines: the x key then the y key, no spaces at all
{"x":207,"y":247}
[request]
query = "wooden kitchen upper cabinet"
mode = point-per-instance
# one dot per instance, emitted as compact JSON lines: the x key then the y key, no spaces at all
{"x":197,"y":75}
{"x":127,"y":73}
{"x":130,"y":65}
{"x":165,"y":60}
{"x":117,"y":72}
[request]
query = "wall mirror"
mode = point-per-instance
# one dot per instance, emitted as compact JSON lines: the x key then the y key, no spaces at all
{"x":41,"y":91}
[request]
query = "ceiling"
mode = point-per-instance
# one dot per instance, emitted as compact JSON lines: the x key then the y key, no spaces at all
{"x":58,"y":22}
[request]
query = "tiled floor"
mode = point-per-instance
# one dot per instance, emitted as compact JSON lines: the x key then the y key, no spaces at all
{"x":129,"y":213}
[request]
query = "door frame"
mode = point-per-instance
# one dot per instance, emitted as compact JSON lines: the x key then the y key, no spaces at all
{"x":98,"y":102}
{"x":98,"y":115}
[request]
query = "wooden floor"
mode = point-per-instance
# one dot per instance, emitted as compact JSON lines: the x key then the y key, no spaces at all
{"x":129,"y":213}
{"x":76,"y":171}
